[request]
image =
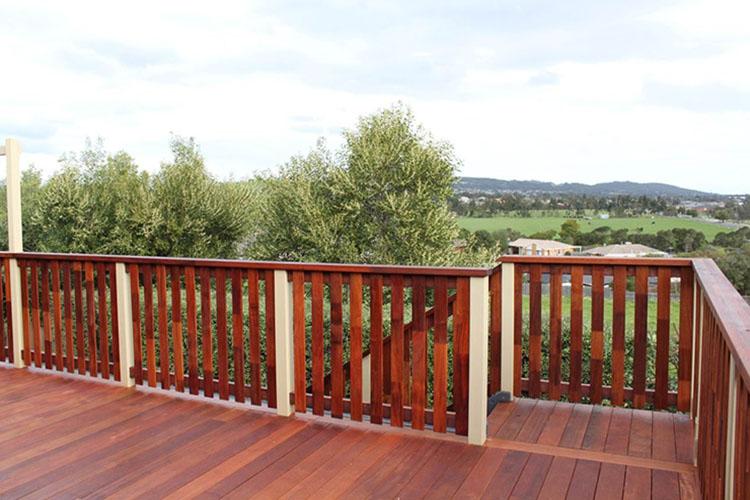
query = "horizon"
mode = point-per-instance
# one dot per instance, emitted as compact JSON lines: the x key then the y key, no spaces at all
{"x":659,"y":90}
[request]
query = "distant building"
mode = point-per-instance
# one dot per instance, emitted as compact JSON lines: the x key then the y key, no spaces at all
{"x":528,"y":246}
{"x":626,"y":250}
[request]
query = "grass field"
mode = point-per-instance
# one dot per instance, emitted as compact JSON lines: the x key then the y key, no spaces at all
{"x":530,"y":225}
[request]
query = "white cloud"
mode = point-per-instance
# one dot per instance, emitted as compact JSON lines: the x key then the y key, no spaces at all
{"x":521,"y":94}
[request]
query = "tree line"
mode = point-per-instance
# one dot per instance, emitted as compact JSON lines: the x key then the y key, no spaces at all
{"x":382,"y":197}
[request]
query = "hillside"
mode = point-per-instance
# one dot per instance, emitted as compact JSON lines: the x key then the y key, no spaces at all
{"x":486,"y":185}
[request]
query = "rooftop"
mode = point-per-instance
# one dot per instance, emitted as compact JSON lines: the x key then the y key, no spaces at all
{"x":625,"y":250}
{"x":540,"y":244}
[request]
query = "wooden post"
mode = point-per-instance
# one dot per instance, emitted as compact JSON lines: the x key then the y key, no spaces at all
{"x":284,"y":344}
{"x":506,"y":336}
{"x":125,"y":324}
{"x":731,"y":431}
{"x":12,"y":152}
{"x":479,"y":300}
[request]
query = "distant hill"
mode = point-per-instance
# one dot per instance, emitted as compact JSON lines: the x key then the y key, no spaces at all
{"x":485,"y":185}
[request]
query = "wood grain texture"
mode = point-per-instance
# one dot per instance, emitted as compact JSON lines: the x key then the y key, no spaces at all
{"x":253,"y":305}
{"x":440,"y":356}
{"x":206,"y":336}
{"x":419,"y":362}
{"x":175,"y":274}
{"x":318,"y":359}
{"x":640,"y":339}
{"x":597,"y":334}
{"x":192,"y":330}
{"x":555,"y":333}
{"x":376,"y":350}
{"x":619,"y":286}
{"x":461,"y":356}
{"x":576,"y":333}
{"x":355,"y":340}
{"x":222,"y":342}
{"x":300,"y":349}
{"x":397,"y":350}
{"x":238,"y":343}
{"x":337,"y":346}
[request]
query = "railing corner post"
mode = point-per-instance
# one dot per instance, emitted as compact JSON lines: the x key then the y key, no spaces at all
{"x":284,"y":343}
{"x":125,"y":324}
{"x":507,"y":347}
{"x":478,"y":358}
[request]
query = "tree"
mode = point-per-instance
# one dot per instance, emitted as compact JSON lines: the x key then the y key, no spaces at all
{"x":382,"y":198}
{"x":191,"y":213}
{"x":569,"y":231}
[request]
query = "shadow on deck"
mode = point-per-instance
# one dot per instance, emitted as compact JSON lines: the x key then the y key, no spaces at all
{"x":65,"y":437}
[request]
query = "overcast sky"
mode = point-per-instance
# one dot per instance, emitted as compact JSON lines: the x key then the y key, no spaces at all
{"x":563,"y":91}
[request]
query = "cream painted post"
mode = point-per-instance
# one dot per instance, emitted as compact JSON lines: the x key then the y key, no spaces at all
{"x":284,"y":343}
{"x":479,"y":304}
{"x":124,"y":324}
{"x":12,"y":152}
{"x":506,"y":333}
{"x":731,"y":430}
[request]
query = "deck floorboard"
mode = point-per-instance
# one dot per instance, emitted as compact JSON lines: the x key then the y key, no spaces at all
{"x":63,"y":437}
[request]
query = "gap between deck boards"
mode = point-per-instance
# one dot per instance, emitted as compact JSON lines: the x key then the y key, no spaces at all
{"x":595,"y":456}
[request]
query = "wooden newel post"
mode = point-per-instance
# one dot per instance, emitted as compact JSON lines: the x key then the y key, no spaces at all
{"x":125,"y":324}
{"x":284,"y":345}
{"x":479,"y":300}
{"x":12,"y":152}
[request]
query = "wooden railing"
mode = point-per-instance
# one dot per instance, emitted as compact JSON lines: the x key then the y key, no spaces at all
{"x":578,"y":322}
{"x":375,"y":343}
{"x":722,"y":386}
{"x":408,"y":346}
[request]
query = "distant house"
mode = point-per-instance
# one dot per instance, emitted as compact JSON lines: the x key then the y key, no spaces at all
{"x":528,"y":246}
{"x":626,"y":250}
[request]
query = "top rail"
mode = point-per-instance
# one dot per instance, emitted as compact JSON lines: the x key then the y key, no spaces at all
{"x":260,"y":265}
{"x":730,"y":311}
{"x":599,"y":261}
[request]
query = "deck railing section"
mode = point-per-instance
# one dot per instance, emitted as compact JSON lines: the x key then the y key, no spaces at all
{"x":384,"y":344}
{"x":722,"y":385}
{"x":578,"y":322}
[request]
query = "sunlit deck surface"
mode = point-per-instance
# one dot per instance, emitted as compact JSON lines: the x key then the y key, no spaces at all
{"x":69,"y":438}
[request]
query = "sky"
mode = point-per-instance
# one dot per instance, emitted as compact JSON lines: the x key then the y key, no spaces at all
{"x":575,"y":91}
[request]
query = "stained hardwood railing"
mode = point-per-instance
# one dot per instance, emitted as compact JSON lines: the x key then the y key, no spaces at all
{"x":385,"y":344}
{"x":722,"y":386}
{"x":405,"y":346}
{"x":577,"y":323}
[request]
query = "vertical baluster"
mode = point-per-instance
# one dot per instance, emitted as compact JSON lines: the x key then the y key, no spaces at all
{"x":270,"y":294}
{"x":206,"y":340}
{"x":419,"y":340}
{"x":376,"y":349}
{"x":57,"y":315}
{"x":618,"y":334}
{"x":300,"y":348}
{"x":135,"y":306}
{"x":318,"y":373}
{"x":440,"y":355}
{"x":641,"y":336}
{"x":179,"y":363}
{"x":192,"y":330}
{"x":238,"y":342}
{"x":337,"y":347}
{"x":576,"y":332}
{"x":555,"y":332}
{"x":397,"y":346}
{"x":254,"y":309}
{"x":355,"y":339}
{"x":221,"y":332}
{"x":597,"y":333}
{"x":535,"y":332}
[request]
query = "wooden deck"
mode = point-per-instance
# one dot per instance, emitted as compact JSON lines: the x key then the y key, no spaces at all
{"x":65,"y":438}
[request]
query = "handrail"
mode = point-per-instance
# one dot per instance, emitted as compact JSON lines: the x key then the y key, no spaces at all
{"x":260,"y":265}
{"x":578,"y":260}
{"x":731,"y":311}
